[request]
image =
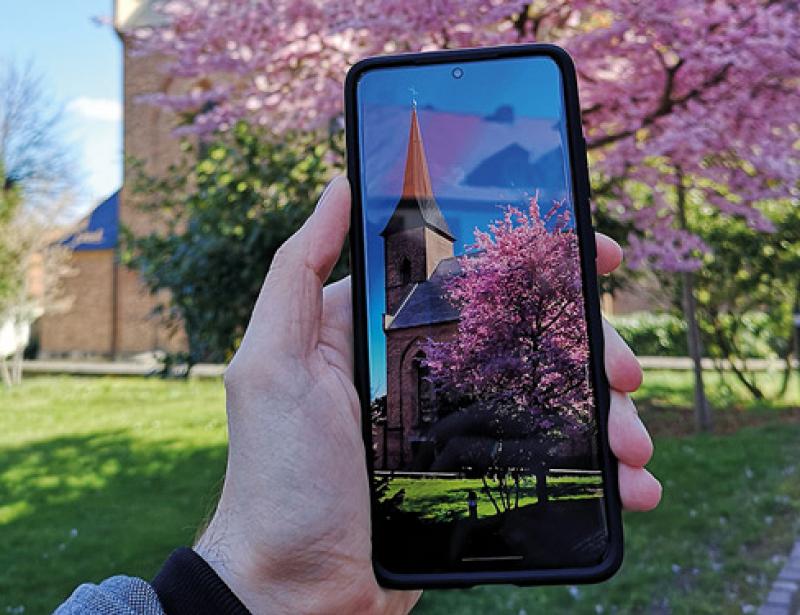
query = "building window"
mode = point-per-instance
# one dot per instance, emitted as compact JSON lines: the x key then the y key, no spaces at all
{"x":405,"y":271}
{"x":426,"y":408}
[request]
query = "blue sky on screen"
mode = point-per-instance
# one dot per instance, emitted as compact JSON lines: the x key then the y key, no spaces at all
{"x":81,"y":66}
{"x":493,"y":138}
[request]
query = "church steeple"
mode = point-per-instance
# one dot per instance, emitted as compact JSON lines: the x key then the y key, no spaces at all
{"x":417,"y":206}
{"x":417,"y":178}
{"x":417,"y":237}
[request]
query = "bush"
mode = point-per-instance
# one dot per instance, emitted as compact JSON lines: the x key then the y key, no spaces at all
{"x":653,"y":334}
{"x":225,"y":210}
{"x":664,"y":335}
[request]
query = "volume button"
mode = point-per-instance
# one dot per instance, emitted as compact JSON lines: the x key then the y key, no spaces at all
{"x":587,"y":182}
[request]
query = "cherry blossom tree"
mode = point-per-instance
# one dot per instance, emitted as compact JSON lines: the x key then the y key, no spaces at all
{"x":520,"y":356}
{"x":522,"y":338}
{"x":686,"y":103}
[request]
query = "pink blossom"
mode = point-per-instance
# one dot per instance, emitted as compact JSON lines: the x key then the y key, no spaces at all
{"x":702,"y":90}
{"x":521,"y":346}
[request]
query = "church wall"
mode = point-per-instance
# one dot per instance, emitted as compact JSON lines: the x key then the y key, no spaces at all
{"x":402,"y":346}
{"x":148,"y":137}
{"x":408,"y":244}
{"x":437,"y":248}
{"x":85,"y":328}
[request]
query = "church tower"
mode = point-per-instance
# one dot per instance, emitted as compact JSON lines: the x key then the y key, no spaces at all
{"x":417,"y":237}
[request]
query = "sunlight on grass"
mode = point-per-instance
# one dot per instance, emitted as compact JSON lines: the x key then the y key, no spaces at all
{"x":446,"y":499}
{"x":104,"y":476}
{"x":101,"y":476}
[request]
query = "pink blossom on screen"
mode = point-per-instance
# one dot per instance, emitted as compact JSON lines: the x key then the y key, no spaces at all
{"x":522,"y":342}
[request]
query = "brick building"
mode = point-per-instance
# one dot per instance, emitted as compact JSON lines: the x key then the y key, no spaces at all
{"x":111,"y":313}
{"x":418,"y":258}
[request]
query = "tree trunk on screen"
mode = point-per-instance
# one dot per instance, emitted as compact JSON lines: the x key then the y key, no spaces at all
{"x":541,"y":485}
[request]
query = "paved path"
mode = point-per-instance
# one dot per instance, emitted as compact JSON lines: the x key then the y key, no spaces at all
{"x":784,"y":596}
{"x":212,"y":370}
{"x":113,"y":368}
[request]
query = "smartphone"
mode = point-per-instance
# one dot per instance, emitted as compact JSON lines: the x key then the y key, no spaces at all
{"x":478,"y":338}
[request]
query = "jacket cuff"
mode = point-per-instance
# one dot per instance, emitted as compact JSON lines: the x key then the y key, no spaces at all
{"x":186,"y":585}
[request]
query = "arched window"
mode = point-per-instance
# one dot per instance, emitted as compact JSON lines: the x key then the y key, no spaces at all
{"x":426,"y":408}
{"x":405,"y":271}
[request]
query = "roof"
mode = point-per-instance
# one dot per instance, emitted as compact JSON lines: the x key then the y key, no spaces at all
{"x":417,"y":206}
{"x":99,"y":230}
{"x":426,"y":303}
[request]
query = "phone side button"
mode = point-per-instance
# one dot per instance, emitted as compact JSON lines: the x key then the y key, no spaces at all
{"x":588,"y":181}
{"x":591,"y":246}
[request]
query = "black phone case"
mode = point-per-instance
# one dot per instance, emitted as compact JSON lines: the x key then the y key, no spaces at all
{"x":580,"y":178}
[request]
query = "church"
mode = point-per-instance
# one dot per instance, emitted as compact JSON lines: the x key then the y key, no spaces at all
{"x":418,"y":258}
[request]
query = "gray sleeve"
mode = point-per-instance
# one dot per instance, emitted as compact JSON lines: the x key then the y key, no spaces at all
{"x":115,"y":596}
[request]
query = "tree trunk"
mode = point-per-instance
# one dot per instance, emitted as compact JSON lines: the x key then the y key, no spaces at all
{"x":16,"y":367}
{"x":541,"y":485}
{"x":702,"y":410}
{"x":487,"y":490}
{"x":732,"y":353}
{"x":4,"y":372}
{"x":795,"y":340}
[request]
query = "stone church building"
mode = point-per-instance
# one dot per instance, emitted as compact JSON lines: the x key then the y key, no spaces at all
{"x":112,"y":313}
{"x":418,"y":258}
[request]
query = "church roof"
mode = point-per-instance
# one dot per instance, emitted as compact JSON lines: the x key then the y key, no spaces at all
{"x":417,"y":206}
{"x":426,"y":303}
{"x":99,"y":230}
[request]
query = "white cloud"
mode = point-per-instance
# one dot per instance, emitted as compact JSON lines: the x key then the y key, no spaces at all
{"x":99,"y":109}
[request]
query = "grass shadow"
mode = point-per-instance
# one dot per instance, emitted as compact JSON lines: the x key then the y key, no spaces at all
{"x":85,"y":507}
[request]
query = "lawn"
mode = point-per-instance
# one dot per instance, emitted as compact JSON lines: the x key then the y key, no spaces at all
{"x":100,"y":476}
{"x":446,"y":499}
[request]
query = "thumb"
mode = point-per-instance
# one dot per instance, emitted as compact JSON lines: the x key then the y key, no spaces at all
{"x":319,"y":241}
{"x":288,"y":310}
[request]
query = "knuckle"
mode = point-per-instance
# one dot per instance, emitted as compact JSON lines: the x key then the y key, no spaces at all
{"x":231,"y":377}
{"x":285,"y":255}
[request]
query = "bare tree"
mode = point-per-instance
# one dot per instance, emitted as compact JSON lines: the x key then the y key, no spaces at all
{"x":33,"y":150}
{"x":37,"y":187}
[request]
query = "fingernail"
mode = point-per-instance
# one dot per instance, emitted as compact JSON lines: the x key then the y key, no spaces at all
{"x":643,"y":427}
{"x":327,"y":191}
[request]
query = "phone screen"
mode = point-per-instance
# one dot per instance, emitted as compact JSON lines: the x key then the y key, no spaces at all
{"x":484,"y":440}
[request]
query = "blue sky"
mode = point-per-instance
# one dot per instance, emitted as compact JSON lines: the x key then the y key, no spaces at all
{"x":81,"y":65}
{"x":498,"y":116}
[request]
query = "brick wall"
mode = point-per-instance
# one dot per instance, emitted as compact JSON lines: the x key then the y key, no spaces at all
{"x":147,"y":136}
{"x":393,"y":447}
{"x":86,"y":327}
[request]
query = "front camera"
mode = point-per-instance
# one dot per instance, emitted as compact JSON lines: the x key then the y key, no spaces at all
{"x":458,"y":73}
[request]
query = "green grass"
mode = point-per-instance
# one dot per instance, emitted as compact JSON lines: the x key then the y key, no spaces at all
{"x":731,"y":503}
{"x":101,"y":476}
{"x":446,"y":499}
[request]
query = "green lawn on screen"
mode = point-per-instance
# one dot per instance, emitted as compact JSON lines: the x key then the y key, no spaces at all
{"x":440,"y":499}
{"x":102,"y":476}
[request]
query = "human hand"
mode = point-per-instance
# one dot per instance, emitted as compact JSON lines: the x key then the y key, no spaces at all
{"x":291,"y":532}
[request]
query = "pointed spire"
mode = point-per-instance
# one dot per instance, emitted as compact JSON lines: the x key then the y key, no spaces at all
{"x":417,"y":206}
{"x":417,"y":179}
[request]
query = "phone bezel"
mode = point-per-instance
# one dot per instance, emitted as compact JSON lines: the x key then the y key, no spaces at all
{"x":581,"y":191}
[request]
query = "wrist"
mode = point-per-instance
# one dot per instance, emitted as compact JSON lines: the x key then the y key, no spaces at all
{"x":270,"y":583}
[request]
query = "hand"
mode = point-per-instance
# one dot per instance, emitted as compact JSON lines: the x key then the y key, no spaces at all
{"x":291,"y":533}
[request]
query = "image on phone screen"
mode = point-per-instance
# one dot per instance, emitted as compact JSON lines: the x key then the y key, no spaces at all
{"x":485,"y":445}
